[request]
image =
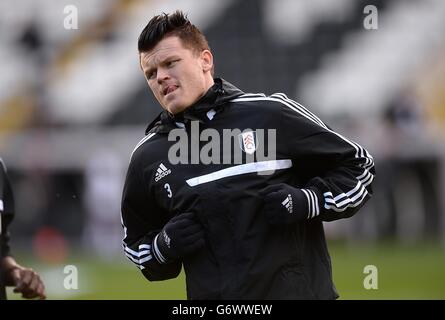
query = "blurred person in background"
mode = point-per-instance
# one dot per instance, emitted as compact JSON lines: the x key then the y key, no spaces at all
{"x":25,"y":280}
{"x":103,"y":180}
{"x":248,"y":231}
{"x":405,"y":115}
{"x":410,"y":165}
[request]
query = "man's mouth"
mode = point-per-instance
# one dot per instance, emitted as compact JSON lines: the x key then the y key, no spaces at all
{"x":169,"y":89}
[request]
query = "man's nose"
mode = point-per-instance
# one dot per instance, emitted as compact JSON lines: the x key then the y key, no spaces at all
{"x":162,"y":75}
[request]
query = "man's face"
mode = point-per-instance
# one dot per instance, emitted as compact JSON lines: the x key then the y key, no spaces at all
{"x":177,"y":76}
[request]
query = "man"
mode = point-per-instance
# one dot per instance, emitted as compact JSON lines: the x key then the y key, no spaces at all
{"x":26,"y":281}
{"x":243,"y":230}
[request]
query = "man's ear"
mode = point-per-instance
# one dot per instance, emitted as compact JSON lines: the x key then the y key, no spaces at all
{"x":207,"y":60}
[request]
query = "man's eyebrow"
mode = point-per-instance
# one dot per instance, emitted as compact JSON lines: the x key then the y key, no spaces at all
{"x":169,"y":57}
{"x":152,"y":66}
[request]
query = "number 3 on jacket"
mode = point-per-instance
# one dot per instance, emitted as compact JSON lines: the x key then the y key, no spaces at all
{"x":169,"y":191}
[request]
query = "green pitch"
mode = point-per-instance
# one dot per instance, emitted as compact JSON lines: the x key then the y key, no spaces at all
{"x":403,"y":272}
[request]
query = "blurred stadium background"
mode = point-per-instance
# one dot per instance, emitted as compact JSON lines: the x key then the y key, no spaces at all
{"x":73,"y":104}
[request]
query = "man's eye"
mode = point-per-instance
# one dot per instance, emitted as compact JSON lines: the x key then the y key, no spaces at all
{"x":151,"y":75}
{"x":171,"y":63}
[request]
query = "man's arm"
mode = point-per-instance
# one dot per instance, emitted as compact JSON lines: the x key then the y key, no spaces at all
{"x":336,"y":171}
{"x":26,"y":281}
{"x":142,"y":220}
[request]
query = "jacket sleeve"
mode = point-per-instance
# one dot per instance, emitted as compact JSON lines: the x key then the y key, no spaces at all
{"x":337,"y":172}
{"x":142,"y":220}
{"x":4,"y":239}
{"x":6,"y":210}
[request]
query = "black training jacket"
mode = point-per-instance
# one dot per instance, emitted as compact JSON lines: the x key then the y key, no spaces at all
{"x":244,"y":256}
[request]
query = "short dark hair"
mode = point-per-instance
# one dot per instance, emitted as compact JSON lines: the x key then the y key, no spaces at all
{"x":175,"y":24}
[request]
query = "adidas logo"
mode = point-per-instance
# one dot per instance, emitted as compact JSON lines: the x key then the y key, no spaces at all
{"x":287,"y":203}
{"x":161,"y":172}
{"x":166,"y":238}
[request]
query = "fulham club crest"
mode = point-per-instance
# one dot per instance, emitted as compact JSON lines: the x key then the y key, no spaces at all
{"x":248,"y":142}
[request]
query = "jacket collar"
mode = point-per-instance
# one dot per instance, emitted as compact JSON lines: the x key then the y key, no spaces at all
{"x":221,"y":92}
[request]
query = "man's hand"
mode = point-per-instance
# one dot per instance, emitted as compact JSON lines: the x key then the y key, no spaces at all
{"x":283,"y":204}
{"x":181,"y":236}
{"x":26,"y":281}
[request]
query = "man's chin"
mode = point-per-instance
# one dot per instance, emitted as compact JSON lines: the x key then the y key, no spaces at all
{"x":175,"y":109}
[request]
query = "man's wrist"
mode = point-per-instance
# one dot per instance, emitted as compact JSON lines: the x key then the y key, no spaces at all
{"x":9,"y":265}
{"x":313,"y":207}
{"x":159,"y":256}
